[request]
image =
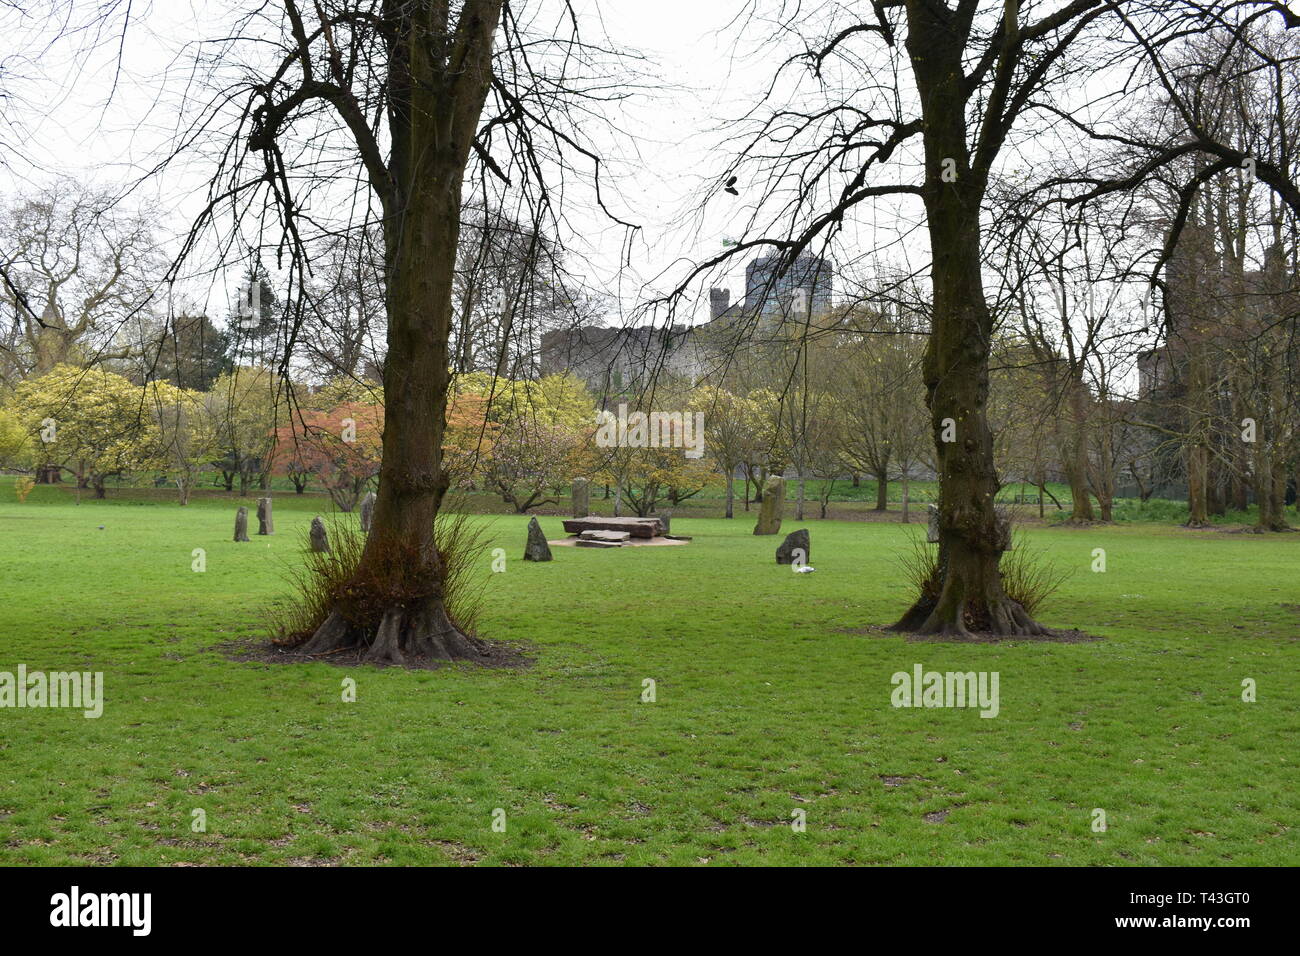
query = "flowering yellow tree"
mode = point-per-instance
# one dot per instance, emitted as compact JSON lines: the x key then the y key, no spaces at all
{"x":92,"y":423}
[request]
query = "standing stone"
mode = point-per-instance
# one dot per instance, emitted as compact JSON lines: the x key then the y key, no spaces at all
{"x":241,"y":524}
{"x":320,"y":539}
{"x":581,"y":497}
{"x":367,"y":511}
{"x":932,"y":533}
{"x":536,"y":549}
{"x":795,"y":540}
{"x":665,"y":522}
{"x":265,"y":522}
{"x":769,"y":512}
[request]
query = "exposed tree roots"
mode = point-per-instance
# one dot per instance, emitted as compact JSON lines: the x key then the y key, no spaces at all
{"x":406,"y":636}
{"x":1001,"y":616}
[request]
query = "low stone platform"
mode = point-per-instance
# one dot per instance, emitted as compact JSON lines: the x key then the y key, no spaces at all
{"x":635,"y":527}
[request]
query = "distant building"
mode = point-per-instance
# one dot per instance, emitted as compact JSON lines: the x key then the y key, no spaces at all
{"x":618,"y":361}
{"x":615,"y":361}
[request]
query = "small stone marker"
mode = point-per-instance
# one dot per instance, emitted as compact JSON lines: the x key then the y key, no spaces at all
{"x":665,"y":521}
{"x":769,"y":513}
{"x":241,"y":524}
{"x":932,"y":533}
{"x":794,"y":540}
{"x":581,"y":497}
{"x":265,"y":522}
{"x":367,"y":511}
{"x":320,"y":539}
{"x":536,"y":549}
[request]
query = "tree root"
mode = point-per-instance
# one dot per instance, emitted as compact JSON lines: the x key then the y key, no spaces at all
{"x":405,"y":636}
{"x":1002,"y":617}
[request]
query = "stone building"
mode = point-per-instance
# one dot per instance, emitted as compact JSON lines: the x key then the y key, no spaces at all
{"x":619,"y":361}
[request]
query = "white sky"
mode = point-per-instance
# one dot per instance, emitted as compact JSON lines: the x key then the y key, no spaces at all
{"x":74,"y":128}
{"x":710,"y":73}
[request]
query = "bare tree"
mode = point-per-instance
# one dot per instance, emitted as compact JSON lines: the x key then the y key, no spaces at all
{"x":391,"y":94}
{"x":79,"y":268}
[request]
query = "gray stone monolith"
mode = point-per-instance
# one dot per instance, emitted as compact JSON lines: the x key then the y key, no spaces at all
{"x":265,"y":521}
{"x":769,"y":512}
{"x":794,"y":541}
{"x":581,"y":497}
{"x":536,"y":549}
{"x":320,"y":539}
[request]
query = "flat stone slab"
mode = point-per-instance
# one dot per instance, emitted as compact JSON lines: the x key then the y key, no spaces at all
{"x":618,"y":537}
{"x":589,"y":543}
{"x":636,"y":527}
{"x":660,"y":541}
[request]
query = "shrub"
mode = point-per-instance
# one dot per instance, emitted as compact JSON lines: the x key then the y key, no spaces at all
{"x":1028,"y":577}
{"x":321,"y":577}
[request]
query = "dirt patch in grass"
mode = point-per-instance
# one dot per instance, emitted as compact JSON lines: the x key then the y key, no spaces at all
{"x":499,"y":654}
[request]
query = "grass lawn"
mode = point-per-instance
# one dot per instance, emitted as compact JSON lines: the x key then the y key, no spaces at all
{"x":771,"y":697}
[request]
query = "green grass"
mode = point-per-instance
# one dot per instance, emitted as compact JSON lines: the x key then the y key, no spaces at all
{"x":767,"y":702}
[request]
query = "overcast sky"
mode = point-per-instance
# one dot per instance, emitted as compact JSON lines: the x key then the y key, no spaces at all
{"x":72,"y":126}
{"x":97,"y":115}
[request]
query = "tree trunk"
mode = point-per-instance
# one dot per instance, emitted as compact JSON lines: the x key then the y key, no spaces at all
{"x":1239,"y":493}
{"x":882,"y":491}
{"x":394,"y":606}
{"x":1197,"y":473}
{"x":966,"y":594}
{"x":731,"y":493}
{"x":1072,"y":438}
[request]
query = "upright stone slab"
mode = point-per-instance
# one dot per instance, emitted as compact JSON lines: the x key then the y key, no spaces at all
{"x":320,"y":539}
{"x":665,"y":521}
{"x":536,"y":549}
{"x":769,"y":512}
{"x":581,"y":497}
{"x":794,"y":541}
{"x":241,"y":524}
{"x":265,"y":522}
{"x":367,"y":511}
{"x":932,"y":532}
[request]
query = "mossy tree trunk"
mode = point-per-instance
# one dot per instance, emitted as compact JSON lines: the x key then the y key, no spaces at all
{"x":967,"y":594}
{"x":438,"y":76}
